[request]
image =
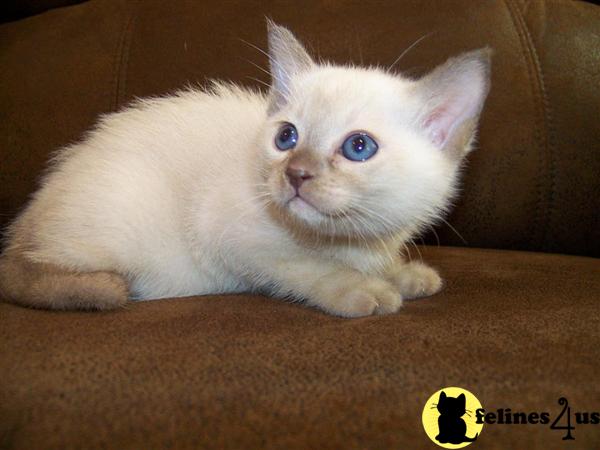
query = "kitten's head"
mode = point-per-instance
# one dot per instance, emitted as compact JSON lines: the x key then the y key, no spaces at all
{"x":364,"y":152}
{"x":452,"y":406}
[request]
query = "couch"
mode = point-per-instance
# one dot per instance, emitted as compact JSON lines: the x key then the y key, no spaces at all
{"x":517,"y":324}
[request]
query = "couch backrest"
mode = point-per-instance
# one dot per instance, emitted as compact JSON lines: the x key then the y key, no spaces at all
{"x":532,"y":184}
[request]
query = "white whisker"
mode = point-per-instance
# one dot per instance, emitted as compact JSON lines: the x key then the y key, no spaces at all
{"x":455,"y":232}
{"x":397,"y":60}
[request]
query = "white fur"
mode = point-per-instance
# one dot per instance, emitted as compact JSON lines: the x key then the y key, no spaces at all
{"x":186,"y":195}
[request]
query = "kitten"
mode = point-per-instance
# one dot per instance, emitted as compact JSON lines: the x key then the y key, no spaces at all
{"x":452,"y":427}
{"x":308,"y":192}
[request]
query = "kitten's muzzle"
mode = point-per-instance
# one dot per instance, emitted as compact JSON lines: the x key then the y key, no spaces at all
{"x":297,"y":176}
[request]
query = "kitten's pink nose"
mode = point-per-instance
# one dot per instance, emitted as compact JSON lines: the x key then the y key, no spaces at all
{"x":297,"y":176}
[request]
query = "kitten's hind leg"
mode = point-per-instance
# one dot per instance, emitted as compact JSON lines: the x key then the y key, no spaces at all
{"x":48,"y":286}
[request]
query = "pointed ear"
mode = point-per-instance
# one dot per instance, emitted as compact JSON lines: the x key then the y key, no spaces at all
{"x":442,"y":396}
{"x":453,"y":95}
{"x":287,"y":58}
{"x":462,"y":399}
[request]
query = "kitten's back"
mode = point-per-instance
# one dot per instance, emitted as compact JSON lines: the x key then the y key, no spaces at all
{"x":115,"y":202}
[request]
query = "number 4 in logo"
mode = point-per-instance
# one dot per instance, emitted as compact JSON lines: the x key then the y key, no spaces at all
{"x":568,"y":427}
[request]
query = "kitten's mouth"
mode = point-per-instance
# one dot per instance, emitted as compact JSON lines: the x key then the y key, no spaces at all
{"x":303,"y":208}
{"x":299,"y":199}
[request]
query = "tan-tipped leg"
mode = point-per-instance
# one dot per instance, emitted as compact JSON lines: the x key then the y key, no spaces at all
{"x":41,"y":285}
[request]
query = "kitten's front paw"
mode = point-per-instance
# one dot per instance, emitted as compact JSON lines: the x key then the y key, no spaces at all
{"x":363,"y":297}
{"x":415,"y":280}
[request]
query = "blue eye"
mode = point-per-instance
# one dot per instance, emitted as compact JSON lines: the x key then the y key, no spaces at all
{"x":287,"y":137}
{"x":359,"y":147}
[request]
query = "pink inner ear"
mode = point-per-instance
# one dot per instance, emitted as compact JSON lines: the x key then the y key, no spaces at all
{"x":442,"y":121}
{"x":436,"y":124}
{"x":453,"y":95}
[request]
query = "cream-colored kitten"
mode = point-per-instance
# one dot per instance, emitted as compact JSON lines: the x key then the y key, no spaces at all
{"x":306,"y":193}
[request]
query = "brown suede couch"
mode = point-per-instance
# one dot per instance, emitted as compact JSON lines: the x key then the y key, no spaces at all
{"x":518,"y":323}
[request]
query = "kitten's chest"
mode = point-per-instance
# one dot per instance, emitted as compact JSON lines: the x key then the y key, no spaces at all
{"x":369,"y":258}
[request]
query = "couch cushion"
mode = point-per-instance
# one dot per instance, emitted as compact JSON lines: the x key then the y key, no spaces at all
{"x":519,"y":330}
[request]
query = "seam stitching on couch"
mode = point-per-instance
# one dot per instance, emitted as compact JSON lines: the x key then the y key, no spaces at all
{"x":117,"y":65}
{"x":525,"y":7}
{"x":550,"y":143}
{"x":122,"y":60}
{"x":522,"y":5}
{"x":541,"y":119}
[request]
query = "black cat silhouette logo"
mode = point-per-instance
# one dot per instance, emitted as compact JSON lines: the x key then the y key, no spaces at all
{"x":449,"y":419}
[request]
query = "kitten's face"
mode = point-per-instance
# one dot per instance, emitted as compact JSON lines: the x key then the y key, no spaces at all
{"x":452,"y":406}
{"x":340,"y":117}
{"x":351,"y":151}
